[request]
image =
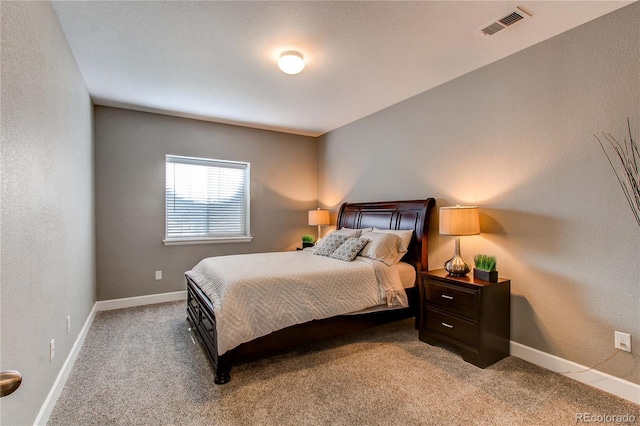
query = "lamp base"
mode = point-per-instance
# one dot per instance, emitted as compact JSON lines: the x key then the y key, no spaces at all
{"x":456,"y":266}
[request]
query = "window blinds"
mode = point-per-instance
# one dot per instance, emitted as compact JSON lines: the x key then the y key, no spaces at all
{"x":206,"y":199}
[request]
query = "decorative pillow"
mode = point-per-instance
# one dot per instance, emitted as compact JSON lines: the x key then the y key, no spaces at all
{"x":329,"y":244}
{"x":384,"y":247}
{"x":405,"y":235}
{"x":349,"y":249}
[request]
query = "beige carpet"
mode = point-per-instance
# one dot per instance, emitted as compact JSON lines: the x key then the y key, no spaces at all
{"x":139,"y":366}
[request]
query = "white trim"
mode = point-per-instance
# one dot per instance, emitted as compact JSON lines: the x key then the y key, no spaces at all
{"x":58,"y":385}
{"x":597,"y":379}
{"x":151,"y":299}
{"x":103,"y":305}
{"x":186,"y":241}
{"x":603,"y":381}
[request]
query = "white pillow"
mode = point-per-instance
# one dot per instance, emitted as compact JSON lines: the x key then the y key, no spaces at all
{"x":355,"y":233}
{"x":405,"y":235}
{"x":349,"y":232}
{"x":384,"y":247}
{"x":364,"y":229}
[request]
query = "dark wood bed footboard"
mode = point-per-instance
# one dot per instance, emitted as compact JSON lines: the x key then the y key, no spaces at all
{"x":203,"y":321}
{"x":392,"y":215}
{"x":200,"y":315}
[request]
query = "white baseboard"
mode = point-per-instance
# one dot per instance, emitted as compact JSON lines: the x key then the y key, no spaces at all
{"x":56,"y":389}
{"x":603,"y":381}
{"x":597,"y":379}
{"x":129,"y":302}
{"x":103,"y":305}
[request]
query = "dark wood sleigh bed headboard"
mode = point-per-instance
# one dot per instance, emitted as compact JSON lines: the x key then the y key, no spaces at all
{"x":398,"y":215}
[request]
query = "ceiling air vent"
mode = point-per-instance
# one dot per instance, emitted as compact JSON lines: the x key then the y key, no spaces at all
{"x":507,"y":20}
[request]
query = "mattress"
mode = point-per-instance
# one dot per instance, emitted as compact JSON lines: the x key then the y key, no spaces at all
{"x":407,"y":274}
{"x":255,"y":294}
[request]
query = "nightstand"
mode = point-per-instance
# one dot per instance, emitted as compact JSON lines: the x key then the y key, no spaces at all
{"x":469,"y":314}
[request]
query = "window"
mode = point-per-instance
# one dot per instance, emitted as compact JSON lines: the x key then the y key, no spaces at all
{"x":207,"y":201}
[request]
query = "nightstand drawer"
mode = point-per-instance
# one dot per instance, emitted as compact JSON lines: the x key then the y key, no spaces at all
{"x":453,"y":299}
{"x":453,"y":327}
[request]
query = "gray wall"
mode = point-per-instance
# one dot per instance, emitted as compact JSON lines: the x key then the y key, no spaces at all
{"x":516,"y":138}
{"x":47,"y":235}
{"x":130,"y":158}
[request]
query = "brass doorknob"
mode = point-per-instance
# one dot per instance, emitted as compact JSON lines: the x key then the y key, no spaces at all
{"x":9,"y":381}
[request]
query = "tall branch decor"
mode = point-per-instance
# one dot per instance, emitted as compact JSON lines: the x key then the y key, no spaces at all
{"x":624,"y":159}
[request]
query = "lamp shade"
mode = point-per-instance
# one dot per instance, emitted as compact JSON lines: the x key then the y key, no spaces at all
{"x":459,"y":220}
{"x":318,"y":217}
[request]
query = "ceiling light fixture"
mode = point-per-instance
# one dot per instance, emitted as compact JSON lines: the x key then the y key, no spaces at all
{"x":291,"y":62}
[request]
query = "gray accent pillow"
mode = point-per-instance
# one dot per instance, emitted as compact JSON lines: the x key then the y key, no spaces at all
{"x":329,"y":244}
{"x":349,"y":249}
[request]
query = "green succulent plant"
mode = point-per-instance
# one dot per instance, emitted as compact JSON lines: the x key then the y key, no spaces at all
{"x":485,"y":262}
{"x":308,"y":239}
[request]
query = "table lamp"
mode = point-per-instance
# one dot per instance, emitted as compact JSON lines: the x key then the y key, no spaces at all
{"x":319,"y":217}
{"x":459,"y":221}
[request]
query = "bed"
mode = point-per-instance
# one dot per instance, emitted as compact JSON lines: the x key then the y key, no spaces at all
{"x":410,"y":215}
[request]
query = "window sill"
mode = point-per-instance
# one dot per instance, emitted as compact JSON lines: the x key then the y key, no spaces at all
{"x":186,"y":241}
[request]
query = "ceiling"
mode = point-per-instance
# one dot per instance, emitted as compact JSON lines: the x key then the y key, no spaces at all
{"x":216,"y":60}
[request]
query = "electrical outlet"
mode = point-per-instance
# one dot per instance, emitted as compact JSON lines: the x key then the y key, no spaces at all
{"x":622,"y":341}
{"x":52,"y":349}
{"x":158,"y":275}
{"x":68,"y":324}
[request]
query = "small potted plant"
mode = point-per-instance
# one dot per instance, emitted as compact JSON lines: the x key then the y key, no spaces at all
{"x":307,"y":241}
{"x":485,"y":268}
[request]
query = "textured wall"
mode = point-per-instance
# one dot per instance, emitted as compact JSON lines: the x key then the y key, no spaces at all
{"x":47,"y":234}
{"x":130,"y":192}
{"x":516,"y":138}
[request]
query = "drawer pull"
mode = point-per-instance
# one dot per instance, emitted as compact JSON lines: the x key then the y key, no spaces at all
{"x":447,"y":325}
{"x":446,"y":296}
